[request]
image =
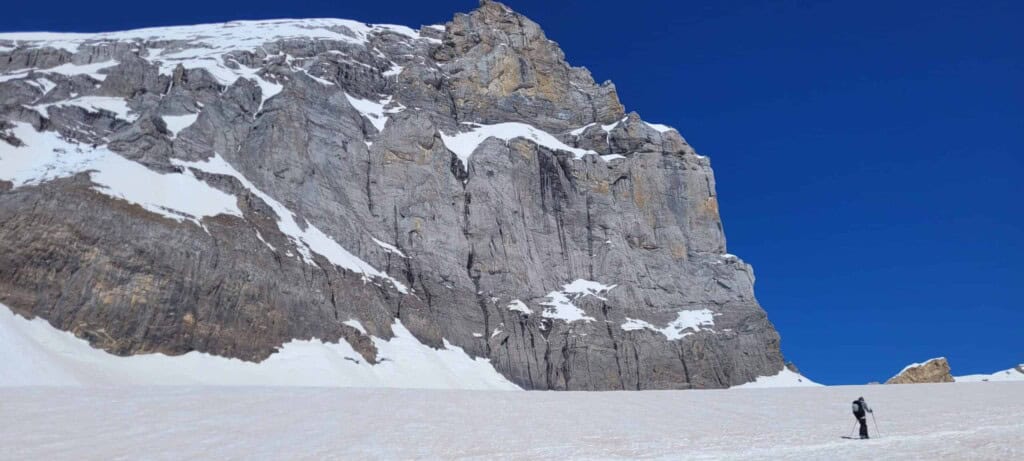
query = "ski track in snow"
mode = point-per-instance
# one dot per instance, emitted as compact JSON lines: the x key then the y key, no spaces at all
{"x":916,"y":421}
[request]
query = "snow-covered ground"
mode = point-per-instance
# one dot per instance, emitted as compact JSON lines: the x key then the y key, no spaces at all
{"x":916,"y":421}
{"x":93,"y":415}
{"x":785,"y":378}
{"x":34,"y":353}
{"x":1010,"y":374}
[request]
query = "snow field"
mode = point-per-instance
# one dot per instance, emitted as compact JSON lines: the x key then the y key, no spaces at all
{"x":1010,"y":374}
{"x":785,"y":378}
{"x":33,"y":353}
{"x":975,"y":421}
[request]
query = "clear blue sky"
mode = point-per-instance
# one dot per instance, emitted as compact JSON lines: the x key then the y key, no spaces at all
{"x":868,"y":153}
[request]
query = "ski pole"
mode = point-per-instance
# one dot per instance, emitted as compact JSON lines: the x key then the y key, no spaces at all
{"x":877,"y":432}
{"x":852,"y":428}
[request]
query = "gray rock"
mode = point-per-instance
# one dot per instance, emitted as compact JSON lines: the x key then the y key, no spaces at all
{"x":515,"y":223}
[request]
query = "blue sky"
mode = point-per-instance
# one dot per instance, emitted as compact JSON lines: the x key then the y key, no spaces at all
{"x":868,"y":154}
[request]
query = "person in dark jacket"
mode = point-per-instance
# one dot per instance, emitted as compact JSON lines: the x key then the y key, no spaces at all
{"x":860,"y":411}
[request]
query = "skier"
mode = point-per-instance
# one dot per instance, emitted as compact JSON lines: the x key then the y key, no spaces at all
{"x":860,"y":411}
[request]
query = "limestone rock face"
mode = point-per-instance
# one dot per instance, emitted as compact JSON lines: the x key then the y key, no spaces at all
{"x":227,"y":188}
{"x":932,"y":371}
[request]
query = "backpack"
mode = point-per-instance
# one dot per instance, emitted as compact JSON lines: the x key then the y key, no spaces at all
{"x":856,"y":408}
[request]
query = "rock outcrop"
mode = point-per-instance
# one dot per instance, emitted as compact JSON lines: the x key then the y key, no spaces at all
{"x":933,"y":371}
{"x":227,"y":188}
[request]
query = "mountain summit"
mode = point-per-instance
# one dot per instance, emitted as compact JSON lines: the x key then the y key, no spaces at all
{"x":229,"y":188}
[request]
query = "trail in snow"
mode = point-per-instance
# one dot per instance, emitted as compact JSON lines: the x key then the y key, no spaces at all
{"x":917,"y":421}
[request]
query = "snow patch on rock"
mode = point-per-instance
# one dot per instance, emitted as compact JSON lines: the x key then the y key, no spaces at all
{"x":465,"y":143}
{"x":222,"y":38}
{"x":560,"y":303}
{"x":355,"y":324}
{"x":519,"y":306}
{"x":659,"y":127}
{"x":46,"y":156}
{"x":68,"y":69}
{"x":310,"y":239}
{"x":117,"y":106}
{"x":686,"y":323}
{"x":176,"y":123}
{"x":389,"y":247}
{"x":374,"y":111}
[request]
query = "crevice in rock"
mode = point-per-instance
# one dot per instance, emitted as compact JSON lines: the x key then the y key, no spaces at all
{"x":473,"y":274}
{"x":330,"y":286}
{"x":529,"y":368}
{"x":686,"y":369}
{"x":566,"y":368}
{"x":636,"y":359}
{"x":410,"y":275}
{"x":548,"y":371}
{"x":369,"y":193}
{"x":458,"y":169}
{"x":590,"y":242}
{"x":615,"y":344}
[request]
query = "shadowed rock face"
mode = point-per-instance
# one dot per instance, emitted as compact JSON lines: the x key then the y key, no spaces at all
{"x":586,"y":254}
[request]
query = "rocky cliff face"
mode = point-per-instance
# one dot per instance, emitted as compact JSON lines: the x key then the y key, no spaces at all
{"x":933,"y":371}
{"x":226,"y":188}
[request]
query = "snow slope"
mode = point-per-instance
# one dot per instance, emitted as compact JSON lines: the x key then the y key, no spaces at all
{"x":1011,"y":374}
{"x":46,"y":156}
{"x":915,"y":421}
{"x":32,"y":352}
{"x":785,"y":378}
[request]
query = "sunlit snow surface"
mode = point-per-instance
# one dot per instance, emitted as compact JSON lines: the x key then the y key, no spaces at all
{"x":977,"y":421}
{"x":32,"y":352}
{"x":785,"y":378}
{"x":1011,"y":374}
